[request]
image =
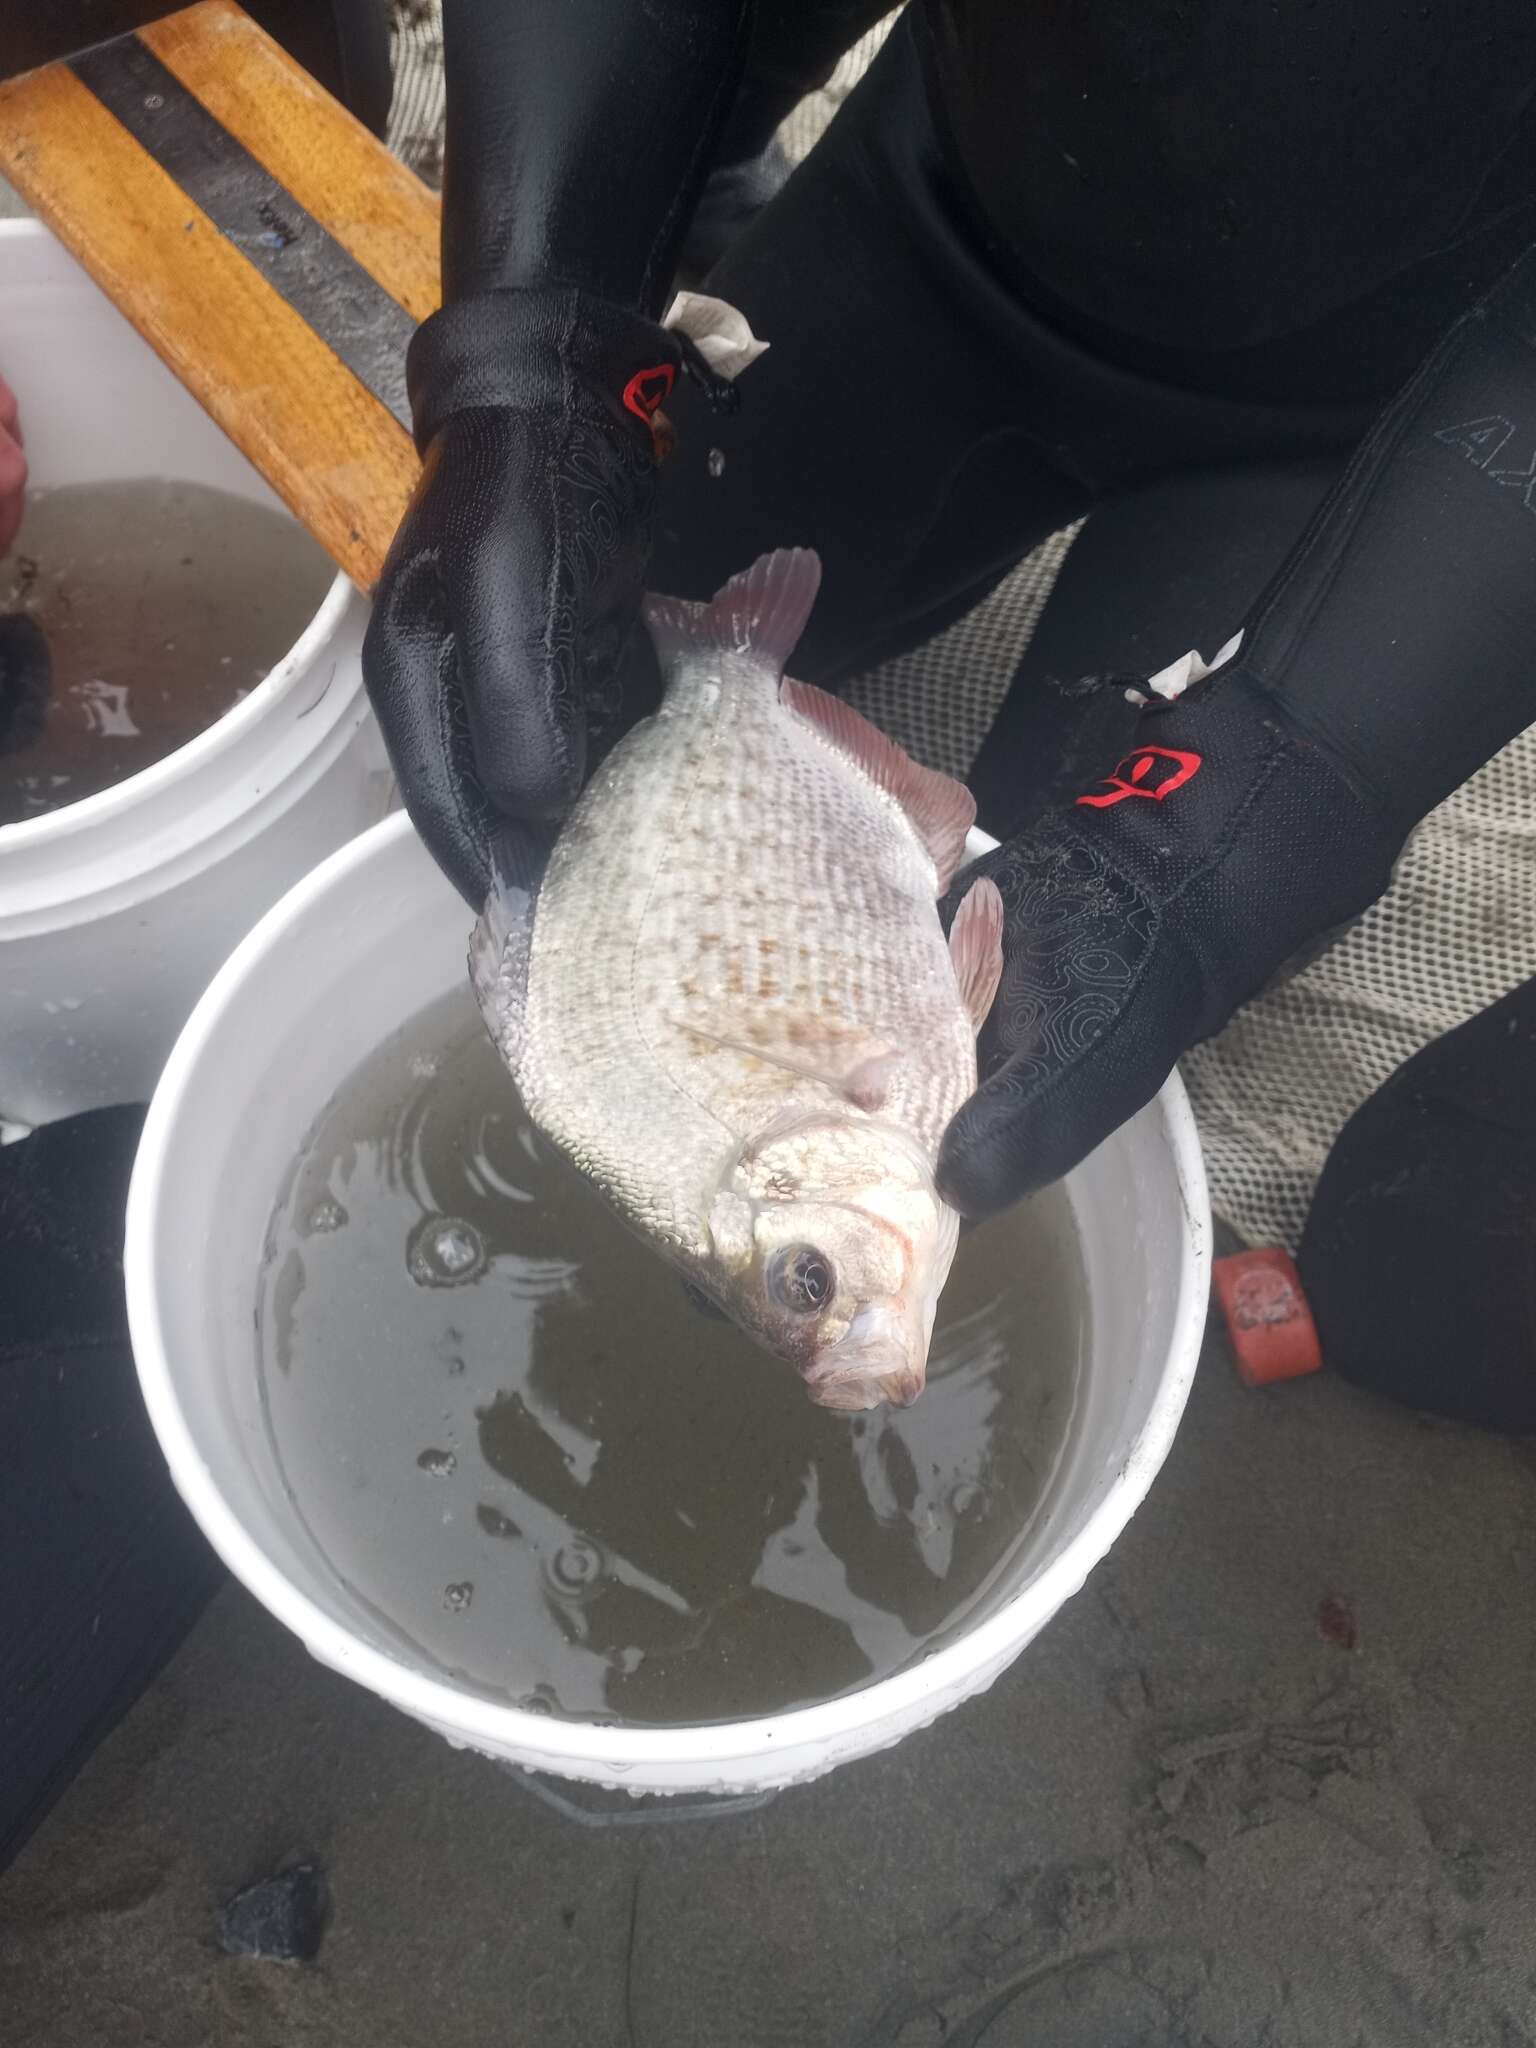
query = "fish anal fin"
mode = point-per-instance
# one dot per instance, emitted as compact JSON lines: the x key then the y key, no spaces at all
{"x":942,"y":810}
{"x":976,"y":948}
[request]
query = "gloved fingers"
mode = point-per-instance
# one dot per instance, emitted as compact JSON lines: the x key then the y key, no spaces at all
{"x":1141,"y":916}
{"x":553,"y":667}
{"x":518,"y":632}
{"x":1033,"y":1120}
{"x":507,"y":618}
{"x":410,"y":660}
{"x":1092,"y":1011}
{"x":491,"y":515}
{"x":456,"y":655}
{"x":545,"y":554}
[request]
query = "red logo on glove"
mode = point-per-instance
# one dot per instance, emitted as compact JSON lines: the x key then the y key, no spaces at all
{"x":1150,"y":771}
{"x":646,"y":390}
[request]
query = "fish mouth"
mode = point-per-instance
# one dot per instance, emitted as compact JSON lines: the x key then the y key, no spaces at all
{"x":883,"y":1357}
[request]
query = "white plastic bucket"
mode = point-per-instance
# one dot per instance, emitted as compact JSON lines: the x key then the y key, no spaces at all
{"x":115,"y":911}
{"x":343,"y":961}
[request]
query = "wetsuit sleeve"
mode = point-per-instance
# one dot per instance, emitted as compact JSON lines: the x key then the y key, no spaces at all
{"x":1393,"y":654}
{"x":579,"y":135}
{"x":1401,"y":634}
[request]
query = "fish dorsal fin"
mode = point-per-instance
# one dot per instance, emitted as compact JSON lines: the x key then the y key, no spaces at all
{"x":762,"y":612}
{"x":941,"y":809}
{"x":976,"y":948}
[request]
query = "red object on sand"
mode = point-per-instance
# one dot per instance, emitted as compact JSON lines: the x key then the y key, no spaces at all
{"x":1271,"y":1327}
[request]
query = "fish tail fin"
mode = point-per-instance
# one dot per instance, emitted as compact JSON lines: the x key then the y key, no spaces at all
{"x":499,"y":946}
{"x":488,"y":945}
{"x":762,"y":612}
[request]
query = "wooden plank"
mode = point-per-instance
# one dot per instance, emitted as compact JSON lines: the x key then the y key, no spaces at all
{"x":340,"y":173}
{"x":279,"y":309}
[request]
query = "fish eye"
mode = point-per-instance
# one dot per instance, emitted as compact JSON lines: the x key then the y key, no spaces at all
{"x":801,"y":1279}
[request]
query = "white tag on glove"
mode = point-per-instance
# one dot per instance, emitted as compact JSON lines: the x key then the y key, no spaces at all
{"x":1175,"y":679}
{"x":719,"y":333}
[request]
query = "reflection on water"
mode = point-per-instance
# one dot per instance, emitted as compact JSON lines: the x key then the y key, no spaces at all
{"x":514,"y":1437}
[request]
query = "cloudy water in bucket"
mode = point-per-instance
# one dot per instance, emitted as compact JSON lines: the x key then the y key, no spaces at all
{"x":539,"y":1466}
{"x":163,"y":603}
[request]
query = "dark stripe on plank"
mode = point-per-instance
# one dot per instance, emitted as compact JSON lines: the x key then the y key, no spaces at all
{"x":326,"y":286}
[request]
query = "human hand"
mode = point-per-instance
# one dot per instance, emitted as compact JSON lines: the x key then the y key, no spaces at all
{"x":1139,"y":917}
{"x":506,"y":619}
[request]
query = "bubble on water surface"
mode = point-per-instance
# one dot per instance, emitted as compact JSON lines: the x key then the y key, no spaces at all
{"x":457,"y":1598}
{"x":444,"y":1251}
{"x":575,"y":1571}
{"x":495,"y":1523}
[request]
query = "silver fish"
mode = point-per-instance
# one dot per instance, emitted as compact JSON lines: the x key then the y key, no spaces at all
{"x":732,"y":1004}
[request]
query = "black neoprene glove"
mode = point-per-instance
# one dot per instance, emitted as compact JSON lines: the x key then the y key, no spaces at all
{"x":578,"y":139}
{"x":1392,"y":656}
{"x":516,"y":576}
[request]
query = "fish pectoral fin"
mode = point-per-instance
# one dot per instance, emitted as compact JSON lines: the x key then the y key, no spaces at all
{"x":941,"y":810}
{"x":849,"y":1062}
{"x":976,"y":949}
{"x":869,"y":1083}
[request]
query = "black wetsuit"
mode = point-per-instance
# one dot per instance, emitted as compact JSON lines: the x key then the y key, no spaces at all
{"x":1047,"y":254}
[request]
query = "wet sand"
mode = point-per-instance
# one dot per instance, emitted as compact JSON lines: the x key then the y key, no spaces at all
{"x":1269,"y":1778}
